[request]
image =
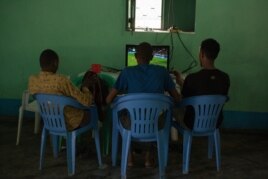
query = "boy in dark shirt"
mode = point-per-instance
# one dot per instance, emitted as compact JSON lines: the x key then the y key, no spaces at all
{"x":209,"y":80}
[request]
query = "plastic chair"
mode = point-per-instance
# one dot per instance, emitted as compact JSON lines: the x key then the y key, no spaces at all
{"x":51,"y":109}
{"x":207,"y":109}
{"x":28,"y":105}
{"x":144,"y":110}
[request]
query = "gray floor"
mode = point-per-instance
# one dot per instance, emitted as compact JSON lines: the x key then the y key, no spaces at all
{"x":244,"y":155}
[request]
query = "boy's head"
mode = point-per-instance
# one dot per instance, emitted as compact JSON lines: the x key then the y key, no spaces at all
{"x":210,"y":48}
{"x":49,"y":61}
{"x":144,"y":53}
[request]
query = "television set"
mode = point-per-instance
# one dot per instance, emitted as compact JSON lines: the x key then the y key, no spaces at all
{"x":160,"y":55}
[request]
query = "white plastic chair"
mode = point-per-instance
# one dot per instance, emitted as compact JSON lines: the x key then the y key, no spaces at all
{"x":28,"y":105}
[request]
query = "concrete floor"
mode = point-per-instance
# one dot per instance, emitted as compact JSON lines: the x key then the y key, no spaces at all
{"x":244,"y":155}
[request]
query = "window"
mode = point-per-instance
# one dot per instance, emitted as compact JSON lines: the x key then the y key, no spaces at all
{"x":144,"y":15}
{"x":148,"y":14}
{"x":151,"y":15}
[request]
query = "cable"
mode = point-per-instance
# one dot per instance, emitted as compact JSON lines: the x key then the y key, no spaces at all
{"x":172,"y":48}
{"x":192,"y":65}
{"x":193,"y":62}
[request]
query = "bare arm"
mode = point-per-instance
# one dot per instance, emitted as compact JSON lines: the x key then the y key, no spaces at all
{"x":111,"y":95}
{"x":179,"y":79}
{"x":176,"y":96}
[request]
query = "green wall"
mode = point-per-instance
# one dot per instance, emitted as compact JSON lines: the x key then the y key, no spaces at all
{"x":241,"y":27}
{"x":92,"y":31}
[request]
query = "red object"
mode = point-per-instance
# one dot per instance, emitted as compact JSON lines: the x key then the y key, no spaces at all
{"x":96,"y":68}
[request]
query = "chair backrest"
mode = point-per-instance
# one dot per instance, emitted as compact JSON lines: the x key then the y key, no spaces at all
{"x":207,"y":109}
{"x":144,"y":111}
{"x":51,"y":108}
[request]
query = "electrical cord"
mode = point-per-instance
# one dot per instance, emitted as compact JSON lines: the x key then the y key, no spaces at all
{"x":172,"y":48}
{"x":193,"y":62}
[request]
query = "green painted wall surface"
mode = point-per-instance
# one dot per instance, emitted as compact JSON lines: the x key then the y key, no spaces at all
{"x":180,"y":13}
{"x":241,"y":26}
{"x":92,"y":31}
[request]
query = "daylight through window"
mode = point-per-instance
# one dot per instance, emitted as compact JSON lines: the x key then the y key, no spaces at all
{"x":148,"y":14}
{"x":160,"y":15}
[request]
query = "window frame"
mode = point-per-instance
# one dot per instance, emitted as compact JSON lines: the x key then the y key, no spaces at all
{"x":179,"y":14}
{"x":131,"y":14}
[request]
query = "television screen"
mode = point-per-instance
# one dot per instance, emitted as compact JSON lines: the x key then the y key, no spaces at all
{"x":160,"y":55}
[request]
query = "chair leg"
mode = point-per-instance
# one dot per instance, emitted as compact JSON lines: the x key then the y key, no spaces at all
{"x":71,"y":150}
{"x":166,"y":147}
{"x":217,"y":149}
{"x":114,"y":144}
{"x":19,"y":125}
{"x":36,"y":122}
{"x":126,"y":139}
{"x":187,"y":143}
{"x":162,"y":146}
{"x":43,"y":148}
{"x":97,"y":143}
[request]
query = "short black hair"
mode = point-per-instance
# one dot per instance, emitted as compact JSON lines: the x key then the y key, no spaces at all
{"x":211,"y":48}
{"x":48,"y":58}
{"x":145,"y":51}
